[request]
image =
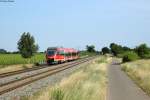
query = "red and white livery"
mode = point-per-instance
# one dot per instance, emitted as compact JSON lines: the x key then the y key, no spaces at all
{"x":59,"y":55}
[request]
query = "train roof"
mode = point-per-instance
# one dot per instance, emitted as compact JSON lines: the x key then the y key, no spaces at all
{"x":64,"y":49}
{"x":52,"y":48}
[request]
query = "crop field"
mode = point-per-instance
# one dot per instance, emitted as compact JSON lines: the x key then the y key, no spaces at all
{"x":87,"y":83}
{"x":11,"y":59}
{"x":139,"y":71}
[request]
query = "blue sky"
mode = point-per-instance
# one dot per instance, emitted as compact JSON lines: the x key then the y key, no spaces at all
{"x":75,"y":23}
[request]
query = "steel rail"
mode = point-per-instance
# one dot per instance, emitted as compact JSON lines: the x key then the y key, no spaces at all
{"x":24,"y":81}
{"x":51,"y":69}
{"x":2,"y":75}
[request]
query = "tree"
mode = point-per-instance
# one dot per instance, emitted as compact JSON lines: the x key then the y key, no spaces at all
{"x":116,"y":49}
{"x":3,"y":51}
{"x":105,"y":50}
{"x":126,"y":48}
{"x":27,"y":46}
{"x":143,"y":51}
{"x":90,"y":48}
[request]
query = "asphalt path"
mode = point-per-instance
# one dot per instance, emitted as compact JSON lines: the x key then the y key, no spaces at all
{"x":121,"y":87}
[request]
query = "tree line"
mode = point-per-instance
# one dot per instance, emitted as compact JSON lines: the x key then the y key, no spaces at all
{"x":128,"y":54}
{"x":27,"y":48}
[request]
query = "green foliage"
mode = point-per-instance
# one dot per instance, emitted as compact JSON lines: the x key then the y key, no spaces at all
{"x":116,"y":49}
{"x":3,"y":51}
{"x":105,"y":50}
{"x":90,"y":48}
{"x":126,"y":48}
{"x":85,"y":53}
{"x":27,"y":46}
{"x":10,"y":59}
{"x":129,"y":56}
{"x":143,"y":51}
{"x":57,"y":94}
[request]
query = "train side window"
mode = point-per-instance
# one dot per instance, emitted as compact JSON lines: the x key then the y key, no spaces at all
{"x":68,"y":54}
{"x":61,"y":53}
{"x":74,"y":54}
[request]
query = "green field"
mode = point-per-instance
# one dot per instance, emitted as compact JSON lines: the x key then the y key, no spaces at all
{"x":11,"y":59}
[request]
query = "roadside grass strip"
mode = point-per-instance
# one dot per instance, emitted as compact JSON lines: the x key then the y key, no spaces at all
{"x":139,"y":71}
{"x":87,"y":83}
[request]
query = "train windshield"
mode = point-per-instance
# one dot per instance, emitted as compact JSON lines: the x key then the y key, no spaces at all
{"x":50,"y":52}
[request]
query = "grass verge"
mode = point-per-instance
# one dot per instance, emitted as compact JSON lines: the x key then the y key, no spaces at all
{"x":11,"y":68}
{"x":139,"y":71}
{"x":86,"y":83}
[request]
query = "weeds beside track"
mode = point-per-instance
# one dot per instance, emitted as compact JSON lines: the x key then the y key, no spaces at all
{"x":24,"y":81}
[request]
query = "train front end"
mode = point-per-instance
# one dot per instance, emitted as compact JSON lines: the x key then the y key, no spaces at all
{"x":50,"y":55}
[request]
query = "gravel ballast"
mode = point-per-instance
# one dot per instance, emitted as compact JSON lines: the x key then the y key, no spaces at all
{"x":38,"y":85}
{"x":25,"y":74}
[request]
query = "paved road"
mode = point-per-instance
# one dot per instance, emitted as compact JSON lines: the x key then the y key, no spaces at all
{"x":120,"y":86}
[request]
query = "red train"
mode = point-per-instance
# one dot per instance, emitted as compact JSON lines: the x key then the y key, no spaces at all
{"x":59,"y":55}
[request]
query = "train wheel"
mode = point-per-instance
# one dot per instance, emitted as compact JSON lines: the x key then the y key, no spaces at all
{"x":59,"y":62}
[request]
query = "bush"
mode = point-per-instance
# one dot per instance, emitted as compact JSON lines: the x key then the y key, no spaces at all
{"x":143,"y":51}
{"x":129,"y":56}
{"x":105,"y":50}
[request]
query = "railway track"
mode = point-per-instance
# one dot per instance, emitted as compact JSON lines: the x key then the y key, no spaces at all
{"x":9,"y":86}
{"x":7,"y":74}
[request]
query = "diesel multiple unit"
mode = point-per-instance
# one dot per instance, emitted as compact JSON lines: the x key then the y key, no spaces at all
{"x":59,"y":55}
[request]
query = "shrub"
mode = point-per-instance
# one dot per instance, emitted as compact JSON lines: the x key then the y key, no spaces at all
{"x":129,"y":56}
{"x":105,"y":50}
{"x":143,"y":51}
{"x":116,"y":49}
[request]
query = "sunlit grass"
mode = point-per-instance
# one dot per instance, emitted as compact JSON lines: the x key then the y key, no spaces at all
{"x":10,"y":68}
{"x":10,"y":59}
{"x":139,"y":71}
{"x":87,"y":83}
{"x":13,"y":59}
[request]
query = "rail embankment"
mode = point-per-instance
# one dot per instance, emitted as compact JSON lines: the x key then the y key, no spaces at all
{"x":87,"y":83}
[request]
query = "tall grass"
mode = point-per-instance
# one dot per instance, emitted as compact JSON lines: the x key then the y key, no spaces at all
{"x":139,"y":71}
{"x":10,"y":59}
{"x":87,"y":83}
{"x":57,"y":94}
{"x":85,"y":53}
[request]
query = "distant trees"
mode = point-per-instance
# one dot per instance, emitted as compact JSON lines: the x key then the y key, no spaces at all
{"x":3,"y":51}
{"x":116,"y":49}
{"x":90,"y":48}
{"x":143,"y":51}
{"x":27,"y":46}
{"x":126,"y":48}
{"x":105,"y":50}
{"x":128,"y":54}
